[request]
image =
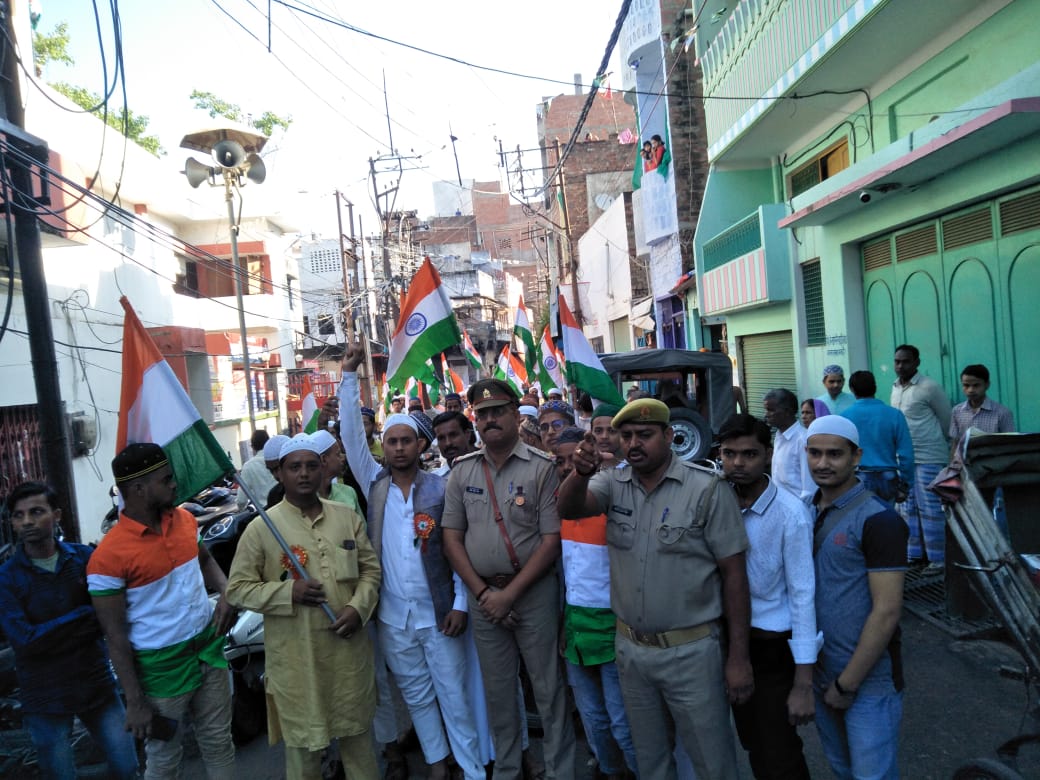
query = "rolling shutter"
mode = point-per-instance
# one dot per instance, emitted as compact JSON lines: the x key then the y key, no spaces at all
{"x":768,"y":363}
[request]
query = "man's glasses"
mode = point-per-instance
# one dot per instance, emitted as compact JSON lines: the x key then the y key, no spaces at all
{"x":556,"y":425}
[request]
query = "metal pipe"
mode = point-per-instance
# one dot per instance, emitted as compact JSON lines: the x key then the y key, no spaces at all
{"x":229,"y":198}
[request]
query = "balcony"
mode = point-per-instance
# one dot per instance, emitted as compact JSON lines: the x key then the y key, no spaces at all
{"x":770,"y":49}
{"x":746,"y":265}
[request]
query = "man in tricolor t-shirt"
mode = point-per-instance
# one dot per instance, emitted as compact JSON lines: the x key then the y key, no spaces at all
{"x":148,"y":580}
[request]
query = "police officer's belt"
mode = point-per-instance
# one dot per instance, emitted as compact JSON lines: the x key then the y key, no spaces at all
{"x":673,"y":638}
{"x":498,"y":580}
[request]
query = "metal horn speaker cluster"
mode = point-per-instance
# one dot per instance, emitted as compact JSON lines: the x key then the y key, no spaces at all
{"x":256,"y":171}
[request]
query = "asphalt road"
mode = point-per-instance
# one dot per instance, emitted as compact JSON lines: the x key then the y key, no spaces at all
{"x":957,"y":707}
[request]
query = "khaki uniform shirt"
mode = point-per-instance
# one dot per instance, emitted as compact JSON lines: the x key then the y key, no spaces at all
{"x":526,"y":490}
{"x":319,"y":685}
{"x":664,"y":545}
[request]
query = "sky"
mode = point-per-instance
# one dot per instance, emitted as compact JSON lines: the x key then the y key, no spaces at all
{"x":329,"y":79}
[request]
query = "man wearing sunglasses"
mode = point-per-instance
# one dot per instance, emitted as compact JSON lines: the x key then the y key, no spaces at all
{"x":502,"y":537}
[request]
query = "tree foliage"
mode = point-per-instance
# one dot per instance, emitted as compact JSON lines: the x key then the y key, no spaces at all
{"x":51,"y":47}
{"x":133,"y":126}
{"x":217,"y":106}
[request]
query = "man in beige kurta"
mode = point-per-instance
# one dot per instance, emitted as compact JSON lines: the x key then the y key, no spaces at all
{"x":319,"y":675}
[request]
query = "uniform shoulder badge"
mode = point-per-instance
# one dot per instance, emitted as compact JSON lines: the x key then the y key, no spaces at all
{"x":541,"y":454}
{"x":467,"y":456}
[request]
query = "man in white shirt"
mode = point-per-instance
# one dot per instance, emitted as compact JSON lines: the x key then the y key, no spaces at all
{"x":790,"y":469}
{"x":783,"y":642}
{"x":255,"y":471}
{"x":422,"y":605}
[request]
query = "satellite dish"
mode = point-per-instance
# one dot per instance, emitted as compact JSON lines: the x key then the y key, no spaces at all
{"x":229,"y":154}
{"x":256,"y":171}
{"x":196,"y":172}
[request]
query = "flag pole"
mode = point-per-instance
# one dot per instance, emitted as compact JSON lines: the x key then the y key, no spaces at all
{"x":289,"y":554}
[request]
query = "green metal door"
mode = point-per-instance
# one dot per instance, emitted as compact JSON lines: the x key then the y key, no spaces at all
{"x":768,"y":362}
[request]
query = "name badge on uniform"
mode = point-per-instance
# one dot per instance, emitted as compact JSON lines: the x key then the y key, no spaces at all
{"x":621,"y":510}
{"x":519,"y":499}
{"x":472,"y":489}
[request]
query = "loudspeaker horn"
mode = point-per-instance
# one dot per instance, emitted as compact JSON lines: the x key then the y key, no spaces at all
{"x":196,"y":172}
{"x":229,"y":154}
{"x":257,"y":171}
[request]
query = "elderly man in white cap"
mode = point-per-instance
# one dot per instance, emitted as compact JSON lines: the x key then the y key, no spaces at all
{"x":859,"y":554}
{"x":319,"y":676}
{"x":422,"y":605}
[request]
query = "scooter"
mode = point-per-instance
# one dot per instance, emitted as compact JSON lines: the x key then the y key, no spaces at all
{"x":244,"y":647}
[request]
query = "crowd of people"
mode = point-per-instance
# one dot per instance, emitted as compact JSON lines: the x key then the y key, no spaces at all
{"x":680,"y":610}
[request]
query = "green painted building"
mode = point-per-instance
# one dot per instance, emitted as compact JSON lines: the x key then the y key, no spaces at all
{"x":875,"y":179}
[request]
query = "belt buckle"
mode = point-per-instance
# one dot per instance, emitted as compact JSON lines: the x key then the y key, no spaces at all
{"x":646,"y":638}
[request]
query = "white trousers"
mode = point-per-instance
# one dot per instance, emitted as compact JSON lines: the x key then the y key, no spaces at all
{"x":430,"y":670}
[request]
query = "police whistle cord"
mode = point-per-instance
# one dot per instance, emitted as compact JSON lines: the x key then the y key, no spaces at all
{"x":289,"y":554}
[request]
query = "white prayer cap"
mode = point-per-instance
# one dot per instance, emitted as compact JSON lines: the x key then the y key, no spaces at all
{"x":301,"y":441}
{"x":529,"y":411}
{"x":400,"y":419}
{"x":323,"y":440}
{"x":834,"y":425}
{"x":273,"y":448}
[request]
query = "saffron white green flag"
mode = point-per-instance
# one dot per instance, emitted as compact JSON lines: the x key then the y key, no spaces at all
{"x":550,"y":370}
{"x":471,"y":352}
{"x":427,"y":326}
{"x":511,"y":369}
{"x":584,"y":369}
{"x":154,"y":407}
{"x":310,"y":411}
{"x":522,"y":330}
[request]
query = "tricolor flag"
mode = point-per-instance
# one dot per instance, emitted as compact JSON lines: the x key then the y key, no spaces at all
{"x":427,"y":326}
{"x":584,"y":369}
{"x":550,"y":368}
{"x":154,"y":407}
{"x":310,"y":409}
{"x":522,"y":330}
{"x":452,"y":381}
{"x":511,"y":369}
{"x":471,"y":352}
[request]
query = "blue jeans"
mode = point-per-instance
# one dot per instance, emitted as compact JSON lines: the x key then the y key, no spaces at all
{"x":862,"y":743}
{"x":52,"y":737}
{"x":597,"y":694}
{"x":882,"y":484}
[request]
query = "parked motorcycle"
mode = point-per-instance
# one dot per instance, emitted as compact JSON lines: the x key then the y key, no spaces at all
{"x":244,"y":648}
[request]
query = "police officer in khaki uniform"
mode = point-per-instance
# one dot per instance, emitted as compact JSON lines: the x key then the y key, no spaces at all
{"x":677,"y":578}
{"x":502,"y":536}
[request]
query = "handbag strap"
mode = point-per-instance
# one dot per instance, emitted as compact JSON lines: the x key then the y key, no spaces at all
{"x":499,"y":520}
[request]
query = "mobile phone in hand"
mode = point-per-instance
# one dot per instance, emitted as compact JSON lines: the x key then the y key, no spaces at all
{"x":163,"y":728}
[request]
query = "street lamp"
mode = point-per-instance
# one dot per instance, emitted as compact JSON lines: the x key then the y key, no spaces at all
{"x":235,"y":150}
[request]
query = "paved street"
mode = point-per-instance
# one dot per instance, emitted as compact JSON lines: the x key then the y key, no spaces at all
{"x":957,"y":707}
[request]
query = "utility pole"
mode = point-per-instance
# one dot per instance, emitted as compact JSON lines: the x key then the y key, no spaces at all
{"x":57,"y":454}
{"x":572,"y":265}
{"x":346,"y":259}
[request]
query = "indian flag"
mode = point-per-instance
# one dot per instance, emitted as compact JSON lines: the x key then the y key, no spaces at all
{"x":452,"y":381}
{"x":584,"y":369}
{"x":550,"y":368}
{"x":310,"y":409}
{"x":154,"y":407}
{"x":522,"y":330}
{"x":427,"y":326}
{"x":511,"y":369}
{"x":471,"y":352}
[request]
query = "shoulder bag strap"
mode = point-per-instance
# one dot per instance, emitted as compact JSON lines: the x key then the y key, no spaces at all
{"x":499,"y":521}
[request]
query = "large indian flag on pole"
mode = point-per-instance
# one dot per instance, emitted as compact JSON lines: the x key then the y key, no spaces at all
{"x":309,"y":412}
{"x":584,"y":369}
{"x":154,"y":407}
{"x":427,"y":326}
{"x":522,"y":330}
{"x":550,"y":370}
{"x":471,"y":352}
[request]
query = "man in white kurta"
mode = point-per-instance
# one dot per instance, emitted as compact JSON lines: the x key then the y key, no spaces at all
{"x":319,"y":675}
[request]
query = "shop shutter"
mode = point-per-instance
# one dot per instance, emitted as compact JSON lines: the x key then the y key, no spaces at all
{"x":768,"y":360}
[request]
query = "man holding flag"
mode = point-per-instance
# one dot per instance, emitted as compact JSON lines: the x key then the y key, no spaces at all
{"x":148,"y":581}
